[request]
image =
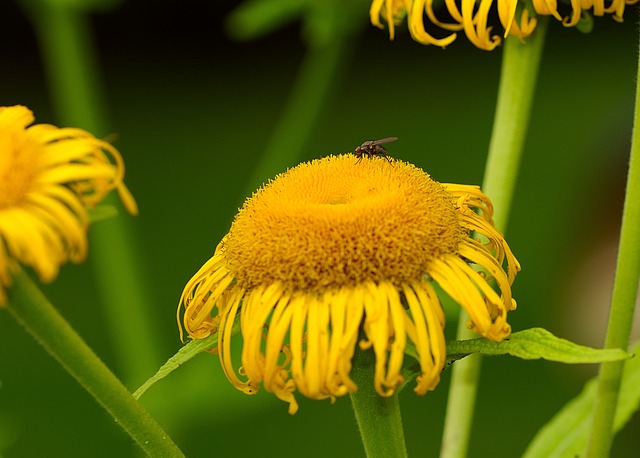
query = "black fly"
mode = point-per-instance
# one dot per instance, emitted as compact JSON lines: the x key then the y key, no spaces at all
{"x":374,"y":148}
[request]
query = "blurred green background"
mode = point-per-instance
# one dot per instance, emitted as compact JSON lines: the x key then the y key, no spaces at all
{"x":193,"y":111}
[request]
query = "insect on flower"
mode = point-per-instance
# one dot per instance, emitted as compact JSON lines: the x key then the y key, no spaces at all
{"x":374,"y":148}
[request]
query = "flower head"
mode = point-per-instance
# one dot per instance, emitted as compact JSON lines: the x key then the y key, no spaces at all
{"x":334,"y":255}
{"x":515,"y":17}
{"x":49,"y":177}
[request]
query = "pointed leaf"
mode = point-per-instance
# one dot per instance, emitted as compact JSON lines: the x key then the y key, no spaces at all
{"x":185,"y":353}
{"x":256,"y":18}
{"x":565,"y":435}
{"x":535,"y":343}
{"x":188,"y":351}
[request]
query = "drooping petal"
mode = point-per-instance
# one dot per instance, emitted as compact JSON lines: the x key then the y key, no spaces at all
{"x":426,"y":324}
{"x":417,"y":29}
{"x":306,"y":268}
{"x":475,"y":24}
{"x":49,"y":178}
{"x":517,"y":17}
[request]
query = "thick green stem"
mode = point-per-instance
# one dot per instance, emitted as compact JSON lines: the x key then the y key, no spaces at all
{"x":520,"y":63}
{"x":70,"y":64}
{"x":31,"y":309}
{"x":74,"y":78}
{"x":378,"y":417}
{"x":308,"y":97}
{"x":518,"y":77}
{"x":625,"y":290}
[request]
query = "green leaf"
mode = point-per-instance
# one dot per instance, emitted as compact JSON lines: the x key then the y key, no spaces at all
{"x":535,"y":343}
{"x":256,"y":18}
{"x":565,"y":435}
{"x":530,"y":344}
{"x":188,"y":351}
{"x":323,"y":21}
{"x":102,"y":212}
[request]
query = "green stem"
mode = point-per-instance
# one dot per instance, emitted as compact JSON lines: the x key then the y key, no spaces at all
{"x":520,"y":64}
{"x":308,"y":97}
{"x":74,"y":77}
{"x":378,"y":417}
{"x":31,"y":309}
{"x":623,"y":300}
{"x":72,"y":69}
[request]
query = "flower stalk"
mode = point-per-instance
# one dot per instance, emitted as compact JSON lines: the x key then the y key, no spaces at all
{"x":318,"y":74}
{"x":378,"y":417}
{"x":31,"y":308}
{"x":625,"y":290}
{"x":73,"y":73}
{"x":517,"y":85}
{"x":520,"y":64}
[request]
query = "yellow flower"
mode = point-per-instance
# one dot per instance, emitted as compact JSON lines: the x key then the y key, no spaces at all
{"x":49,"y":177}
{"x":516,"y":17}
{"x":333,"y":255}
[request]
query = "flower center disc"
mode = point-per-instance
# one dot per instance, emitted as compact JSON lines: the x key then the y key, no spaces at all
{"x":20,"y":161}
{"x":333,"y":222}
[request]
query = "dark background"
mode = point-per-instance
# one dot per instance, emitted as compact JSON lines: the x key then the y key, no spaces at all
{"x":193,"y":111}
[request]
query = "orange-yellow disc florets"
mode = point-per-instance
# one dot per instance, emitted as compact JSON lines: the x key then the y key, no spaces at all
{"x":332,"y":223}
{"x":49,"y":177}
{"x":337,"y":256}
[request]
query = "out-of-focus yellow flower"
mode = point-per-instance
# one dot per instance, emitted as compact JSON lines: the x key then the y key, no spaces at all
{"x":49,"y":178}
{"x":516,"y":17}
{"x":336,"y":256}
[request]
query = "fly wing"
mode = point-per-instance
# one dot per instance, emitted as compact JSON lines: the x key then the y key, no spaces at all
{"x":382,"y":141}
